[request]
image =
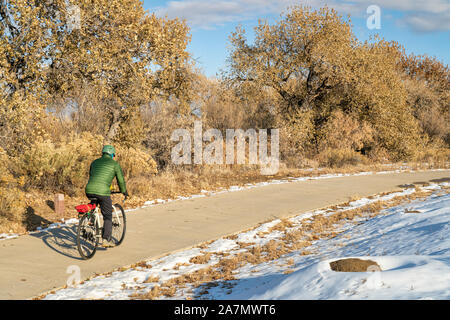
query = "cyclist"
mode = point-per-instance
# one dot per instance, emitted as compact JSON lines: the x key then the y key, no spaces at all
{"x":101,"y":174}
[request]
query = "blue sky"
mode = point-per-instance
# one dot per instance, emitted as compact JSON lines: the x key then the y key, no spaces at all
{"x":421,"y":26}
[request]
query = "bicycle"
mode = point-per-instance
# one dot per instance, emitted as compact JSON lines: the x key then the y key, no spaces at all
{"x":90,"y":227}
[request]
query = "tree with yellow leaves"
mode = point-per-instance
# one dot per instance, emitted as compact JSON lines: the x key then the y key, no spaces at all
{"x":314,"y":63}
{"x":301,"y":57}
{"x":51,"y":48}
{"x":428,"y":86}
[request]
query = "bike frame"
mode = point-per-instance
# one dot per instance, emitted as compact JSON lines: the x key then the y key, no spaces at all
{"x":98,"y":219}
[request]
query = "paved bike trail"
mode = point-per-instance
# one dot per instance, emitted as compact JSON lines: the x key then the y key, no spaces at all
{"x":37,"y":263}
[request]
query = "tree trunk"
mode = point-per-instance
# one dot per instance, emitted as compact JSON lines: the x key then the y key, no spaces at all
{"x":114,"y":125}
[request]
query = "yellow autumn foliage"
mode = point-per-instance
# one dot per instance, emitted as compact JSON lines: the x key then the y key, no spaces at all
{"x":314,"y":63}
{"x":344,"y":131}
{"x":12,"y":199}
{"x":135,"y":162}
{"x":64,"y":166}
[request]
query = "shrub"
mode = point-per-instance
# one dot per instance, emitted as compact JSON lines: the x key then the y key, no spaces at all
{"x":337,"y":158}
{"x":62,"y":166}
{"x":12,"y":199}
{"x":429,"y":108}
{"x":296,"y":134}
{"x":433,"y":155}
{"x":135,"y":162}
{"x":397,"y":131}
{"x":344,"y":131}
{"x":160,"y":121}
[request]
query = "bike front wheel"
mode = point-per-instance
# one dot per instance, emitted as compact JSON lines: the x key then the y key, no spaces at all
{"x":119,"y":224}
{"x":87,"y":237}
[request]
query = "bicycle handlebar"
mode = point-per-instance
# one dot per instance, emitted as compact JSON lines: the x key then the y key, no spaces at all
{"x":118,"y":192}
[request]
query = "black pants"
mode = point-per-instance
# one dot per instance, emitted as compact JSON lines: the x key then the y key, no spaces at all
{"x":105,"y":203}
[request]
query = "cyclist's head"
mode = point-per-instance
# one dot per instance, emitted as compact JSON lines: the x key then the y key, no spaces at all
{"x":109,"y":150}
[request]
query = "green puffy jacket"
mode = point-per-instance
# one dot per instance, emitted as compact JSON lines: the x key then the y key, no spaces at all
{"x":101,"y":174}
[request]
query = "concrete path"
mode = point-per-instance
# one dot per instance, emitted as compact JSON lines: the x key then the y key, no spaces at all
{"x":33,"y":264}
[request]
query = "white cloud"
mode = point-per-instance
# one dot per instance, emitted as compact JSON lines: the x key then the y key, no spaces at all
{"x":207,"y":13}
{"x":419,"y":15}
{"x":429,"y":6}
{"x":423,"y":22}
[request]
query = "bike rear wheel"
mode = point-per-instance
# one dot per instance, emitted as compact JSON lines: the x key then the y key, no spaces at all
{"x":119,"y":224}
{"x":87,"y":237}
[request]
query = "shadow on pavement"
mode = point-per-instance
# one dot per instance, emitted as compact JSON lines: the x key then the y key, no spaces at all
{"x":446,"y":179}
{"x":61,"y":239}
{"x":424,"y":183}
{"x":33,"y":220}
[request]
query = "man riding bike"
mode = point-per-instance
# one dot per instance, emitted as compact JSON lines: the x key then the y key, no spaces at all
{"x":101,"y":174}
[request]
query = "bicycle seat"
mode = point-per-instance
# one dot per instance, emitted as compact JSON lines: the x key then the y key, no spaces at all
{"x":94,"y":200}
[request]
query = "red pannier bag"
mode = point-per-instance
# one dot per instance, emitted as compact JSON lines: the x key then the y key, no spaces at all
{"x":83,"y":208}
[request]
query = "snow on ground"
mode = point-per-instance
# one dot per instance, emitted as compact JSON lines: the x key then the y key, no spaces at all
{"x":6,"y":236}
{"x":403,"y":277}
{"x":410,"y":242}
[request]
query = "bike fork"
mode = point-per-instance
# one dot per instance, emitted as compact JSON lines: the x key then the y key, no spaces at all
{"x":116,"y":216}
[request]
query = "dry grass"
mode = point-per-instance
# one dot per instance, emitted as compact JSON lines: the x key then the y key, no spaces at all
{"x":284,"y":223}
{"x":142,"y":264}
{"x":245,"y":244}
{"x":178,"y":265}
{"x":201,"y":259}
{"x":151,"y":279}
{"x":153,"y":294}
